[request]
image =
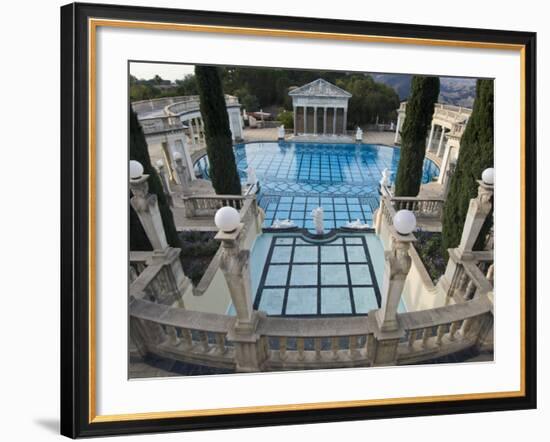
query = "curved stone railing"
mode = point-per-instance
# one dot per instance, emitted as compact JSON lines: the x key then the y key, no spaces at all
{"x":438,"y":332}
{"x":175,"y":333}
{"x":157,"y":125}
{"x":296,"y":343}
{"x":192,"y":103}
{"x":452,"y":115}
{"x":174,"y":106}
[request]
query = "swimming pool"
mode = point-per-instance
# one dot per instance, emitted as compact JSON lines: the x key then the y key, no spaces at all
{"x":296,"y":178}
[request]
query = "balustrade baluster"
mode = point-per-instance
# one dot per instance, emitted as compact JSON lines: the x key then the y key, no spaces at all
{"x":172,"y":335}
{"x":353,"y":351}
{"x":440,"y":333}
{"x":491,"y":273}
{"x":334,"y":346}
{"x":265,"y":346}
{"x":466,"y":326}
{"x":186,"y":338}
{"x":453,"y":329}
{"x":220,"y":343}
{"x":425,"y":337}
{"x":203,"y":337}
{"x":300,"y":347}
{"x":412,"y":337}
{"x":282,"y":348}
{"x":317,"y":345}
{"x":470,"y":290}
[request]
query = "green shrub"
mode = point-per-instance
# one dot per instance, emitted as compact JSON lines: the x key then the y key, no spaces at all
{"x":475,"y":155}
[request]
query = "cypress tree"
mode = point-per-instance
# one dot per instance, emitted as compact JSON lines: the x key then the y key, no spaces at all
{"x":139,"y":152}
{"x":475,"y":155}
{"x":219,"y":146}
{"x":420,"y":109}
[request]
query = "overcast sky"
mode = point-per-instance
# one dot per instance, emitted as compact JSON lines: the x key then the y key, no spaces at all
{"x":166,"y":71}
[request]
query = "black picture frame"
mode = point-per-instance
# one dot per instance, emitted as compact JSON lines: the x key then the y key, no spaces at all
{"x":76,"y":418}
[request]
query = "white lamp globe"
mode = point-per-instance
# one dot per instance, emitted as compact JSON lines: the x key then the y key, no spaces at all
{"x":404,"y":222}
{"x":227,"y":219}
{"x":177,"y":156}
{"x":488,"y":176}
{"x":136,"y":169}
{"x":160,"y":164}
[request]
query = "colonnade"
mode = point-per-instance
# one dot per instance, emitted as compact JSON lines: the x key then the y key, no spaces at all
{"x":325,"y":120}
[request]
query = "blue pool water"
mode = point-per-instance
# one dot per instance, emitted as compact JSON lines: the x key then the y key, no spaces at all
{"x":296,"y":178}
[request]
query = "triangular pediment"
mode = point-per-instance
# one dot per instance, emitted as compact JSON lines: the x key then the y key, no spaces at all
{"x":319,"y":88}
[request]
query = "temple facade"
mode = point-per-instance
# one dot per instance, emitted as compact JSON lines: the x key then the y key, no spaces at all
{"x":320,"y":108}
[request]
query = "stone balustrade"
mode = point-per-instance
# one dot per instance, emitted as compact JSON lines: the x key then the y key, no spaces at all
{"x":158,"y":125}
{"x":183,"y":335}
{"x":473,"y":275}
{"x":434,"y":333}
{"x":295,"y":343}
{"x":421,"y":207}
{"x":207,"y":205}
{"x":192,"y":103}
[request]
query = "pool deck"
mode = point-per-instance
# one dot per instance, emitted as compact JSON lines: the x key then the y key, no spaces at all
{"x":270,"y":134}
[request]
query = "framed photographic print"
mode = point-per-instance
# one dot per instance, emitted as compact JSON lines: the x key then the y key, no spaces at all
{"x":279,"y":220}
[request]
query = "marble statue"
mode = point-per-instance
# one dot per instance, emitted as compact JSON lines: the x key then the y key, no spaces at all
{"x":318,"y":220}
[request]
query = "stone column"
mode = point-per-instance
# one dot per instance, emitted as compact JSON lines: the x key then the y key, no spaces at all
{"x":146,"y":206}
{"x":171,"y":283}
{"x":188,"y":160}
{"x":164,"y":180}
{"x":294,"y":115}
{"x":441,"y":179}
{"x":440,"y":146}
{"x":478,"y":210}
{"x":397,"y":266}
{"x":345,"y":121}
{"x":198,"y":129}
{"x":305,"y":119}
{"x":324,"y":120}
{"x":191,"y":131}
{"x":397,"y":128}
{"x":201,"y":122}
{"x":315,"y":120}
{"x":234,"y":264}
{"x":430,"y":138}
{"x":334,"y":120}
{"x":387,"y":331}
{"x":183,"y":172}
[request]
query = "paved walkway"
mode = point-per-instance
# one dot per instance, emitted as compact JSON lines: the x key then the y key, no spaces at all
{"x":270,"y":134}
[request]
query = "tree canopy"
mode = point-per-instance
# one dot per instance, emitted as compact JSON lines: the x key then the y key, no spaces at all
{"x":139,"y":152}
{"x":219,"y":146}
{"x":267,"y":88}
{"x":420,"y":109}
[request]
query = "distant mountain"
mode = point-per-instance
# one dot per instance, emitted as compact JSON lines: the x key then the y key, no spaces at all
{"x":457,"y":91}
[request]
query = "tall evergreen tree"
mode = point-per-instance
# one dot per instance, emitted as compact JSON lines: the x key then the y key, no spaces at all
{"x":139,"y":152}
{"x":420,"y":109}
{"x":219,"y":147}
{"x":476,"y":155}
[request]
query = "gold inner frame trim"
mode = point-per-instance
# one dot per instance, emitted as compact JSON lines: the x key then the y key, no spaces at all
{"x":93,"y":24}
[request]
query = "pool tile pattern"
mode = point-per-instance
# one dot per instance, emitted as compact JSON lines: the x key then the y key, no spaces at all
{"x":296,"y":178}
{"x":330,"y":277}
